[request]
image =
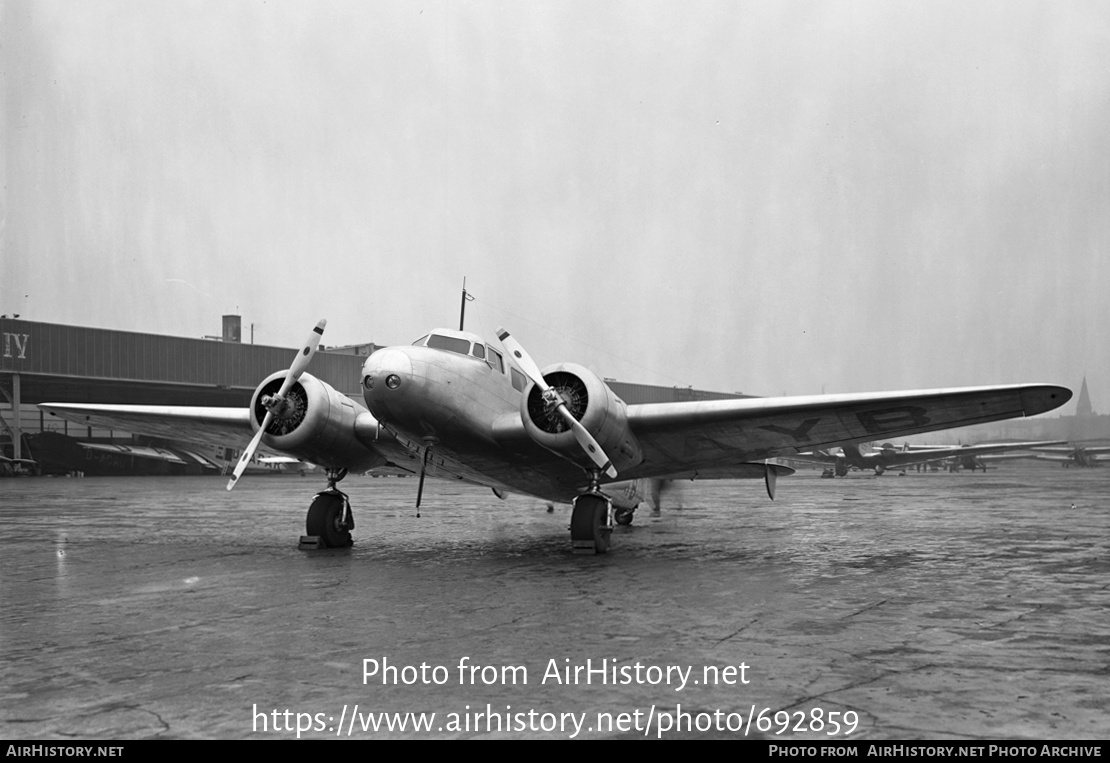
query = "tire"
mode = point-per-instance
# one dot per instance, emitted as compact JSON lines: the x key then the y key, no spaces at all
{"x":624,"y":516}
{"x":324,"y":520}
{"x":589,"y":523}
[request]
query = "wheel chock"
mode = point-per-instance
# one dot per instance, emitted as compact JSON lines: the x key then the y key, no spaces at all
{"x":311,"y":543}
{"x":583,"y":547}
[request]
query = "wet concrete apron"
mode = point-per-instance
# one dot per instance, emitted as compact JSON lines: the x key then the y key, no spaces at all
{"x":930,"y":606}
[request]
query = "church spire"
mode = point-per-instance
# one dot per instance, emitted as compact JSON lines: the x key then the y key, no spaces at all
{"x":1083,"y":407}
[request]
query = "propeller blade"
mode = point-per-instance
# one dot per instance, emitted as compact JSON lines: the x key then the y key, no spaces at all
{"x":585,"y":439}
{"x":249,"y":452}
{"x":304,"y":357}
{"x":420,"y":486}
{"x":523,"y":359}
{"x":770,"y":477}
{"x":300,"y":363}
{"x":588,"y":443}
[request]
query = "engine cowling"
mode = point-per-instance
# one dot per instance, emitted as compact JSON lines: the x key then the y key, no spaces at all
{"x":318,"y":424}
{"x":589,"y":400}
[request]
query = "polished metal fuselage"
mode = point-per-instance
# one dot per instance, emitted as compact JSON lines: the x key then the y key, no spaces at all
{"x":467,"y":413}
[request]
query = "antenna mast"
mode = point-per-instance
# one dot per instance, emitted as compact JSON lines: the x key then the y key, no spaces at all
{"x":462,"y":310}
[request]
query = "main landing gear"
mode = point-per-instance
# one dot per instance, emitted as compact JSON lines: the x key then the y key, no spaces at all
{"x":329,"y":521}
{"x":591,"y":521}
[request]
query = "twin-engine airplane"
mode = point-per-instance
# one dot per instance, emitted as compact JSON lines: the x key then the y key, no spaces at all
{"x":453,"y":406}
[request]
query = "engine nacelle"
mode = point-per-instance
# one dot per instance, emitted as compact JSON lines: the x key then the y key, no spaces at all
{"x":589,"y":400}
{"x":318,"y":424}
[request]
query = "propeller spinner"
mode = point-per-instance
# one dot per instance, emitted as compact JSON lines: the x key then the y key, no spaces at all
{"x":553,"y":401}
{"x":276,"y":404}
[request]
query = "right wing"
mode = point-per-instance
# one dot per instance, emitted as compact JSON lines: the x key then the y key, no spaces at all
{"x":206,"y":425}
{"x":230,"y":427}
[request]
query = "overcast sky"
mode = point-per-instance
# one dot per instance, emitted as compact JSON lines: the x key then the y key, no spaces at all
{"x":770,"y":197}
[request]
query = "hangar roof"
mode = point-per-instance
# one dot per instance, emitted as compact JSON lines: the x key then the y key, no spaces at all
{"x":77,"y":363}
{"x":60,"y":363}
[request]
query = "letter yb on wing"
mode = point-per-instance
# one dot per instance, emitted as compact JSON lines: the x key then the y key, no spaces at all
{"x":898,"y":417}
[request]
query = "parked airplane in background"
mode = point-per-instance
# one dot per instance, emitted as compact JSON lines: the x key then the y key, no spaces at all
{"x":16,"y":465}
{"x":888,"y":456}
{"x":454,"y":406}
{"x":151,"y":452}
{"x":210,"y":458}
{"x":973,"y":457}
{"x":285,"y":464}
{"x":1075,"y":455}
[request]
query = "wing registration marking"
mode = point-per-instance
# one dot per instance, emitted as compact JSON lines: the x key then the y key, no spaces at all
{"x":898,"y":417}
{"x":800,"y":434}
{"x":873,"y":422}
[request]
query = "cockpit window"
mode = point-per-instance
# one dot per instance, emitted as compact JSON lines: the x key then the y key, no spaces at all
{"x":478,"y":350}
{"x":449,"y":343}
{"x":496,"y":361}
{"x":420,"y":342}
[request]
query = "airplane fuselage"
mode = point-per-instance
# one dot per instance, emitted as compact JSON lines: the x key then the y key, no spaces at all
{"x":462,"y":400}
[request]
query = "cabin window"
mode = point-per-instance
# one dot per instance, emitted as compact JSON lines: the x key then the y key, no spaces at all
{"x":449,"y":343}
{"x":519,"y":380}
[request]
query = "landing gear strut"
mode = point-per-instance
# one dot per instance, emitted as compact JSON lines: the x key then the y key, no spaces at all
{"x":591,"y":521}
{"x":329,"y":521}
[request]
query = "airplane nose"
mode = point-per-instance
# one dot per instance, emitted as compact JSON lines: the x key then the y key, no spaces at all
{"x":385,"y":375}
{"x":386,"y":369}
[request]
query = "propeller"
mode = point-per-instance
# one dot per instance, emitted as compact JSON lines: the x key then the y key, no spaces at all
{"x":552,"y":400}
{"x":423,"y":470}
{"x":275,"y":404}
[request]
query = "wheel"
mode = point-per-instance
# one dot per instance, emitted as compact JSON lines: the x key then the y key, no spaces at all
{"x":325,"y":519}
{"x":589,"y":524}
{"x":624,"y":516}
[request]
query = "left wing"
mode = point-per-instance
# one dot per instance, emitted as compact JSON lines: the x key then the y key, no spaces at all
{"x":713,"y":435}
